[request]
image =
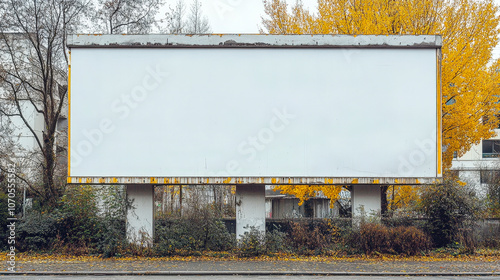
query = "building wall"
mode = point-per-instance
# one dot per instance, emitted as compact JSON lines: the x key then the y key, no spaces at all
{"x":470,"y":165}
{"x":21,"y":134}
{"x":24,"y":140}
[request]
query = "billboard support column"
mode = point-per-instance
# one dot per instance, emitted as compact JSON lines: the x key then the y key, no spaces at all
{"x":140,"y":214}
{"x":250,"y":208}
{"x":366,"y":201}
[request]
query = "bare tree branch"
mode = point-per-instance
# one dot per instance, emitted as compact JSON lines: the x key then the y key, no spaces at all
{"x":35,"y":74}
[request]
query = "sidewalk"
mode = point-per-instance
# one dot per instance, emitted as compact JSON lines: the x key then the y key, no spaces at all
{"x":487,"y":267}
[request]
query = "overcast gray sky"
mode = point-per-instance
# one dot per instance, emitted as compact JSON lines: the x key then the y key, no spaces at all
{"x":238,"y":16}
{"x":244,"y":16}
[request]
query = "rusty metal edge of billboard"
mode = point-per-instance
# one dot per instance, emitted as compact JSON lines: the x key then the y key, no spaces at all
{"x":253,"y":180}
{"x":252,"y":41}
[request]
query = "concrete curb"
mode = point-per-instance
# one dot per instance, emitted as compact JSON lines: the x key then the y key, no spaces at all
{"x":243,"y":273}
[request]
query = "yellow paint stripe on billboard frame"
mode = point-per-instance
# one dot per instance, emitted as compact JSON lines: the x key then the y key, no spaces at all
{"x":69,"y":115}
{"x":439,"y":171}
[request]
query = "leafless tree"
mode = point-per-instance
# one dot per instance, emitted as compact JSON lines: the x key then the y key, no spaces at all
{"x":8,"y":137}
{"x":197,"y":23}
{"x":33,"y":78}
{"x":175,"y":18}
{"x":127,"y":16}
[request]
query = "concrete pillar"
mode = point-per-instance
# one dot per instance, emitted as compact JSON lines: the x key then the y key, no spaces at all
{"x":366,"y":200}
{"x":140,"y":214}
{"x":250,"y":208}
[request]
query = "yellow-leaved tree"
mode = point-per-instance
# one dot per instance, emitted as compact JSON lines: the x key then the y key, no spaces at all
{"x":402,"y":196}
{"x":469,"y":28}
{"x":304,"y":192}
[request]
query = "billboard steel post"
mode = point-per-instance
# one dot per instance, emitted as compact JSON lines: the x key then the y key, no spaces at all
{"x":366,"y":201}
{"x":140,"y":214}
{"x":250,"y":209}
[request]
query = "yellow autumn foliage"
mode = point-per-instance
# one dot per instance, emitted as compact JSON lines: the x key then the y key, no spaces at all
{"x":469,"y":29}
{"x":469,"y":77}
{"x":402,"y":196}
{"x":124,"y":262}
{"x":304,"y":192}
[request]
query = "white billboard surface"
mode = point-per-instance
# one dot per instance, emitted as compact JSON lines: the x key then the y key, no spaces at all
{"x":254,"y":112}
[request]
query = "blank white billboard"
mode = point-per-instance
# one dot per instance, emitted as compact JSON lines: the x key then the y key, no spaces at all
{"x":254,"y":112}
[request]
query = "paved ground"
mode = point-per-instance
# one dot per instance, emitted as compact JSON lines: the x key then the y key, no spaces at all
{"x":227,"y":267}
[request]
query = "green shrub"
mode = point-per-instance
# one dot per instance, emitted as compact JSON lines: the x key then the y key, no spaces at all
{"x":78,"y":225}
{"x":493,"y":198}
{"x":201,"y":230}
{"x":37,"y":231}
{"x":179,"y":234}
{"x":252,"y":243}
{"x":216,"y":236}
{"x":3,"y":219}
{"x":448,"y":208}
{"x":111,"y":239}
{"x":276,"y":241}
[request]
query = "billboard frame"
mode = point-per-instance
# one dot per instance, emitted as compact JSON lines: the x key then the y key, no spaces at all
{"x":263,"y":41}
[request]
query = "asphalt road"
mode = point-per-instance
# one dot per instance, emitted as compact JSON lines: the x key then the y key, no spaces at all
{"x":252,"y":277}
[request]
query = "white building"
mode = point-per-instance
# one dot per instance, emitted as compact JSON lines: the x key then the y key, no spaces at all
{"x":481,"y":164}
{"x":17,"y":136}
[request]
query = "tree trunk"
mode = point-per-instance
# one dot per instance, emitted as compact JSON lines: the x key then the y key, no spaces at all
{"x":180,"y":200}
{"x":385,"y":204}
{"x":172,"y":192}
{"x":163,"y":199}
{"x":51,"y":191}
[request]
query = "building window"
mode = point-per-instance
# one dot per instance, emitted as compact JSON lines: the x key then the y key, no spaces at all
{"x":491,"y":148}
{"x":490,"y":176}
